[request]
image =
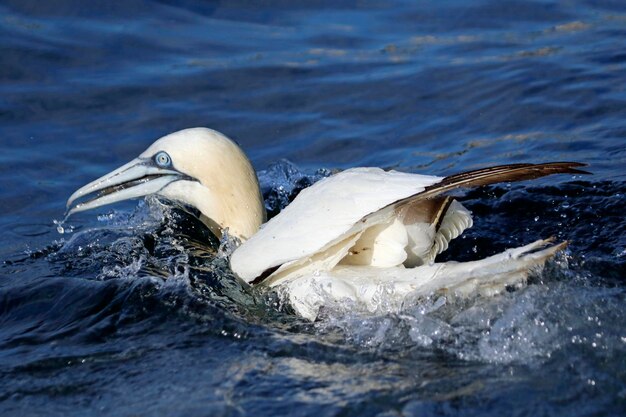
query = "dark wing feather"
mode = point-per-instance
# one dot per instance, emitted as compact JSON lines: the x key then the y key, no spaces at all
{"x":437,"y":209}
{"x":501,"y":173}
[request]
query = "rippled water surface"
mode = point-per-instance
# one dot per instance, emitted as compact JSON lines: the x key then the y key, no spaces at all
{"x":132,"y":310}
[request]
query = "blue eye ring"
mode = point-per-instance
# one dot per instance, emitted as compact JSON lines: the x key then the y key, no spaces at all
{"x":163,"y":160}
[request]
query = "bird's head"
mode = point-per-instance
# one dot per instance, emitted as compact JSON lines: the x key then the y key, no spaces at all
{"x":198,"y":167}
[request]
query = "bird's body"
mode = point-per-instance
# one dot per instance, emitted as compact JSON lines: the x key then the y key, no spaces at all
{"x":330,"y":211}
{"x":351,"y":235}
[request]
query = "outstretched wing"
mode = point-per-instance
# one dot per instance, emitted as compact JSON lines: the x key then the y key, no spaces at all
{"x":319,"y":227}
{"x":501,"y":173}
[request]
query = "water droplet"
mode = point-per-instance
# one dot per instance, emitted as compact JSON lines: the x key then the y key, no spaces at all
{"x":62,"y":228}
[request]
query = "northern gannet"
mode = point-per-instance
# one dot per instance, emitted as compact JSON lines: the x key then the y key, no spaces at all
{"x":360,"y":234}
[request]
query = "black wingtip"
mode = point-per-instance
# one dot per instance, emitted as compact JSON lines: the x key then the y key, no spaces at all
{"x":569,"y":167}
{"x":580,"y":171}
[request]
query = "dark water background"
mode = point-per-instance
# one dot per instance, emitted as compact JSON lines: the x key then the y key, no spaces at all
{"x":131,"y":314}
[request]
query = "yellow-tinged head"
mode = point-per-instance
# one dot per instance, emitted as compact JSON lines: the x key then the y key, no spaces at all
{"x":199,"y":167}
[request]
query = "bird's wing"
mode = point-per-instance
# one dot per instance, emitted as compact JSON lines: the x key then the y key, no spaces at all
{"x":438,"y":221}
{"x":500,"y":173}
{"x":385,"y":290}
{"x":322,"y":216}
{"x":326,"y":219}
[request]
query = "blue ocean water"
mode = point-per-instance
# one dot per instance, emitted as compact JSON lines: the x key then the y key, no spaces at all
{"x":127,"y":312}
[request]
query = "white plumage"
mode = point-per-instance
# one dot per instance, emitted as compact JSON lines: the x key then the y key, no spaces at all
{"x":366,"y":235}
{"x":324,"y":214}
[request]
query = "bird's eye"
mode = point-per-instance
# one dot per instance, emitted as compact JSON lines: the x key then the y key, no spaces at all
{"x":162,"y":159}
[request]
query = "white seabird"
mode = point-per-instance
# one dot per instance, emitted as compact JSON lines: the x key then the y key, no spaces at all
{"x":360,"y":235}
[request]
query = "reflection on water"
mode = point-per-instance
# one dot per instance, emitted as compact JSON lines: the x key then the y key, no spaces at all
{"x":134,"y":310}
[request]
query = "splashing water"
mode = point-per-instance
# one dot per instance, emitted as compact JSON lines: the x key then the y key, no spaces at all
{"x":157,"y":263}
{"x":137,"y":313}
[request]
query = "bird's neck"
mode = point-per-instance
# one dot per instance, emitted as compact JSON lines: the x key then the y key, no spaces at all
{"x":227,"y":191}
{"x":234,"y":203}
{"x":241,"y":215}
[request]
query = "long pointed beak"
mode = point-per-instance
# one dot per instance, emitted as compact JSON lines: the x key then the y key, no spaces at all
{"x":135,"y":179}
